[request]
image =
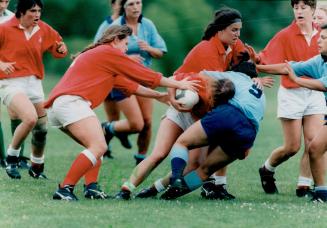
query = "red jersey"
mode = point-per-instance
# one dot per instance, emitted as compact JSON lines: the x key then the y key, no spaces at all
{"x":210,"y":55}
{"x":27,"y":53}
{"x":289,"y":44}
{"x":95,"y":72}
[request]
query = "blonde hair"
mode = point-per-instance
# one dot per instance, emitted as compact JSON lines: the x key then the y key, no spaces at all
{"x":113,"y":32}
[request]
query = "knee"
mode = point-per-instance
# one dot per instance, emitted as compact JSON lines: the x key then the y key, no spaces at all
{"x":314,"y":151}
{"x":291,"y":149}
{"x":99,"y":149}
{"x":136,"y":126}
{"x":30,"y":121}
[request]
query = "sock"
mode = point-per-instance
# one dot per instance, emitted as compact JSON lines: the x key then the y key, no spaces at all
{"x":140,"y":156}
{"x":142,"y":153}
{"x":220,"y":180}
{"x":2,"y":145}
{"x":159,"y":186}
{"x":37,"y":160}
{"x":128,"y":186}
{"x":92,"y":174}
{"x":192,"y":180}
{"x":269,"y":167}
{"x":304,"y":181}
{"x":321,"y":188}
{"x":111,"y":127}
{"x":37,"y":164}
{"x":14,"y":124}
{"x":83,"y":163}
{"x":178,"y":160}
{"x":13,"y":152}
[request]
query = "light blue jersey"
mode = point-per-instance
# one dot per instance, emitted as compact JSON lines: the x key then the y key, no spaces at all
{"x":248,"y":97}
{"x":146,"y":31}
{"x":315,"y":68}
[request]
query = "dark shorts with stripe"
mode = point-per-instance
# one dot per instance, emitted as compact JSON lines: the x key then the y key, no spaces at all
{"x":116,"y":95}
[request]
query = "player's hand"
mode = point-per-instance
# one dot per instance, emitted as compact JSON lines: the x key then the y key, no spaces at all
{"x":144,"y":46}
{"x":178,"y":106}
{"x":290,"y":71}
{"x":163,"y":98}
{"x":61,"y":47}
{"x":193,"y":85}
{"x":258,"y":83}
{"x":136,"y":58}
{"x":7,"y":67}
{"x":253,"y":55}
{"x":267,"y":81}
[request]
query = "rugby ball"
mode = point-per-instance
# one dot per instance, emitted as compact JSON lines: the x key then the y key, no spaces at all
{"x":188,"y":98}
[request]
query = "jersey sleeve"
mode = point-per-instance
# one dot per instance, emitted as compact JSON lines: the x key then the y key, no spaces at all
{"x":156,"y":40}
{"x":274,"y":51}
{"x":50,"y":41}
{"x":307,"y":68}
{"x":128,"y":87}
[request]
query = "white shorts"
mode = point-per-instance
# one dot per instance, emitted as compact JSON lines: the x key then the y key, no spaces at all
{"x":299,"y":102}
{"x":183,"y":119}
{"x":68,"y":109}
{"x":31,"y":86}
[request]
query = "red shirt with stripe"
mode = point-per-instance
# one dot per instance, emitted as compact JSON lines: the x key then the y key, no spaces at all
{"x":95,"y":72}
{"x":289,"y":44}
{"x":27,"y":53}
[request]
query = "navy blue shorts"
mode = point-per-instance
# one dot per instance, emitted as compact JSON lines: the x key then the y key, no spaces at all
{"x":115,"y":95}
{"x":227,"y":127}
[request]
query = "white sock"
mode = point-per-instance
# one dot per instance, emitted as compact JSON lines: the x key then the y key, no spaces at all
{"x":321,"y":188}
{"x":269,"y":167}
{"x":219,"y":180}
{"x":90,"y":156}
{"x":159,"y":186}
{"x":37,"y":160}
{"x":304,"y":181}
{"x":13,"y":152}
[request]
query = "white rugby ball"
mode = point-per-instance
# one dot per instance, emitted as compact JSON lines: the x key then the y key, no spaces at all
{"x":188,"y":98}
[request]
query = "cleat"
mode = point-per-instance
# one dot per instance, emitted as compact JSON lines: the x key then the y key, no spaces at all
{"x":93,"y":191}
{"x":268,"y":181}
{"x":175,"y":190}
{"x":147,"y":193}
{"x":212,"y":191}
{"x":123,"y":195}
{"x":24,"y":162}
{"x":304,"y":191}
{"x":107,"y":134}
{"x":139,"y":158}
{"x":12,"y":171}
{"x":3,"y":163}
{"x":123,"y":138}
{"x":108,"y":153}
{"x":37,"y":171}
{"x":65,"y":193}
{"x":319,"y":196}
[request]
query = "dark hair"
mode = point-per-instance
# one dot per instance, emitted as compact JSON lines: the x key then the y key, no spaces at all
{"x":323,"y":27}
{"x":24,"y":5}
{"x":114,"y":31}
{"x":223,"y":18}
{"x":311,"y":3}
{"x":245,"y":66}
{"x":224,"y":90}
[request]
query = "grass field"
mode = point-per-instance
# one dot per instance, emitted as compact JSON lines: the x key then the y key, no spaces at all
{"x":28,"y":203}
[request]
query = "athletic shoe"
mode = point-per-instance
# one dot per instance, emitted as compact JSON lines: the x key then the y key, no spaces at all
{"x":93,"y":191}
{"x":3,"y":163}
{"x":319,"y":196}
{"x":139,"y":158}
{"x":65,"y":193}
{"x":24,"y":162}
{"x":108,"y":153}
{"x":268,"y":181}
{"x":123,"y":138}
{"x":304,"y":191}
{"x":177,"y":189}
{"x":37,"y":171}
{"x":212,"y":191}
{"x":147,"y":193}
{"x":107,"y":133}
{"x":123,"y":195}
{"x":12,"y":167}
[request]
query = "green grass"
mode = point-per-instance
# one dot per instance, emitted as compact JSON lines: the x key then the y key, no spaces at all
{"x":27,"y":202}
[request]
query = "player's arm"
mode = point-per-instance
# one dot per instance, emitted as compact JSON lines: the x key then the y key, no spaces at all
{"x":310,"y":84}
{"x":277,"y":69}
{"x":146,"y":92}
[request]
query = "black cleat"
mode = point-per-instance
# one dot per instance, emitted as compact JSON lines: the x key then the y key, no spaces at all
{"x":93,"y":191}
{"x":212,"y":191}
{"x":319,"y":196}
{"x":147,"y":193}
{"x":175,"y":190}
{"x":123,"y":138}
{"x":107,"y":134}
{"x":24,"y":162}
{"x":108,"y":153}
{"x":123,"y":195}
{"x":65,"y":193}
{"x":268,"y":181}
{"x":37,"y":171}
{"x":12,"y":167}
{"x":304,"y":191}
{"x":3,"y":163}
